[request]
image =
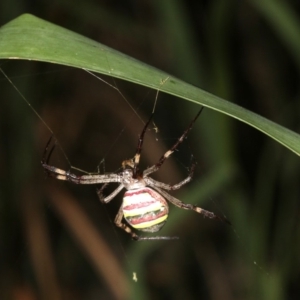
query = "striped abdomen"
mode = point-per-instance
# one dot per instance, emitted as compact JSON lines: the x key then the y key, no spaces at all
{"x":145,"y":209}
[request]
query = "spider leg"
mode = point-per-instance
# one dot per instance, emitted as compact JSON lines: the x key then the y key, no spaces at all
{"x":134,"y":236}
{"x":195,"y":208}
{"x":157,"y":166}
{"x":135,"y":161}
{"x":126,"y":228}
{"x":68,"y":176}
{"x":46,"y":156}
{"x":110,"y":196}
{"x":82,"y":179}
{"x":154,"y":183}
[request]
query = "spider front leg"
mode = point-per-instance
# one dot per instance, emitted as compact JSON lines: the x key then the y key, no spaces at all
{"x":134,"y":162}
{"x":68,"y":176}
{"x":51,"y":170}
{"x":163,"y":158}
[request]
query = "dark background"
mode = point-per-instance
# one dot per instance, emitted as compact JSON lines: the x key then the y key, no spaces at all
{"x":238,"y":50}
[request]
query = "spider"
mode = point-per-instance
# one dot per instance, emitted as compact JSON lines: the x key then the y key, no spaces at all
{"x":144,"y":206}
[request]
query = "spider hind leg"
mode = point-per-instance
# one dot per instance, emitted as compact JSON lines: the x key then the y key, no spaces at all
{"x":134,"y":236}
{"x":187,"y":206}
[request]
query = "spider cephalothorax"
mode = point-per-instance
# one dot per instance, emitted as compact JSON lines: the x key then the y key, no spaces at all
{"x":144,"y":204}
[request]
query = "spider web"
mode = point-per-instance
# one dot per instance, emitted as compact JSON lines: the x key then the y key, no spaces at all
{"x":66,"y":126}
{"x":69,"y":125}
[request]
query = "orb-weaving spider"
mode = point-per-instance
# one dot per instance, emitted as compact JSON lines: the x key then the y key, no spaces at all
{"x":144,"y":204}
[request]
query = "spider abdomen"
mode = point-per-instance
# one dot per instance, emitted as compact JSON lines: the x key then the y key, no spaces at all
{"x":145,"y":209}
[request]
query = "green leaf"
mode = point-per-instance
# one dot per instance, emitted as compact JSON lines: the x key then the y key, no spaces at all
{"x":28,"y":37}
